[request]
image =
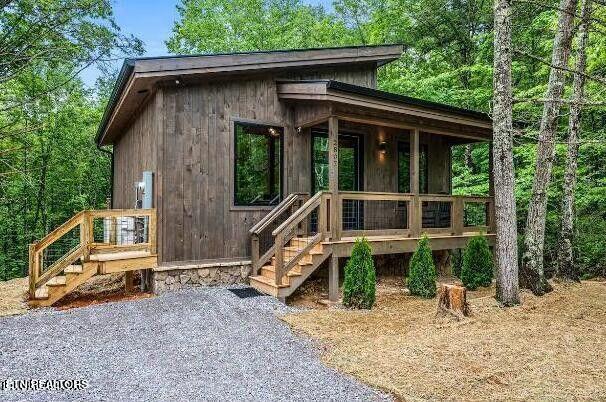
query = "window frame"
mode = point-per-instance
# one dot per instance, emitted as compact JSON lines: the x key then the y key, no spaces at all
{"x":234,"y":121}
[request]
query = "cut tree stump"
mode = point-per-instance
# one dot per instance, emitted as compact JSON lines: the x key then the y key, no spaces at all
{"x":452,"y":300}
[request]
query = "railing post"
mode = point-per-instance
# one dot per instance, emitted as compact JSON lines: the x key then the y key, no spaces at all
{"x":33,"y":270}
{"x":254,"y":243}
{"x":337,"y":217}
{"x":416,"y":211}
{"x":458,"y":215}
{"x":490,"y":216}
{"x":322,"y":216}
{"x":279,"y":258}
{"x":152,"y":232}
{"x":86,"y":237}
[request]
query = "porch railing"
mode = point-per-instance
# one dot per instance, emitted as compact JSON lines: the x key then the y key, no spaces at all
{"x":376,"y":214}
{"x":262,"y":239}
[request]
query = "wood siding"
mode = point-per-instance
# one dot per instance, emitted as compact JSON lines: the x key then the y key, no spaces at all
{"x":185,"y":136}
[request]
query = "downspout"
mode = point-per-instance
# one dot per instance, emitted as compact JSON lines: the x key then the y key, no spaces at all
{"x":111,"y":175}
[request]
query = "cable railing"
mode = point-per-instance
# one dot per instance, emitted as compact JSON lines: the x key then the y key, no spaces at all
{"x":87,"y":232}
{"x":262,"y":240}
{"x":380,"y":214}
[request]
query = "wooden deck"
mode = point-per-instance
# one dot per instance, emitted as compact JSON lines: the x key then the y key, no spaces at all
{"x":90,"y":243}
{"x":301,"y":233}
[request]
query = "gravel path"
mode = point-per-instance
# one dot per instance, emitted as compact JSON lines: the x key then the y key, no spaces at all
{"x":199,"y":344}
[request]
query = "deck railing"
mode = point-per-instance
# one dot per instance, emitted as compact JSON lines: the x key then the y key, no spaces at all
{"x":90,"y":231}
{"x":262,"y":239}
{"x":376,"y":214}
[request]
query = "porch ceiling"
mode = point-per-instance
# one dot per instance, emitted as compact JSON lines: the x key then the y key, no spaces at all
{"x":319,"y":99}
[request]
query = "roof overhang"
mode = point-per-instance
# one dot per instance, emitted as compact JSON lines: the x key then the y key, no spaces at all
{"x":340,"y":93}
{"x":139,"y":77}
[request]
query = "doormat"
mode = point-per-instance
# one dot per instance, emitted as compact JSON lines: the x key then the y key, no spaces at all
{"x":244,"y":293}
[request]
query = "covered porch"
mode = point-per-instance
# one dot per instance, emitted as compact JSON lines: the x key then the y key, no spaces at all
{"x":380,"y":168}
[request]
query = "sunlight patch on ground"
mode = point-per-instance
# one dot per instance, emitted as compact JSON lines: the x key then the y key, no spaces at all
{"x":12,"y":296}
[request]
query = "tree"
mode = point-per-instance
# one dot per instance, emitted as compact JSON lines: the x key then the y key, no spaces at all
{"x":49,"y":164}
{"x":566,"y":267}
{"x":532,"y":270}
{"x":507,"y":291}
{"x":249,"y":25}
{"x":477,"y":263}
{"x":422,"y":275}
{"x":359,"y":285}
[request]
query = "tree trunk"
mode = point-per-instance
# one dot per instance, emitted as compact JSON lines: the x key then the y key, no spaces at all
{"x":452,"y":300}
{"x":503,"y":170}
{"x":533,"y":274}
{"x":566,"y":267}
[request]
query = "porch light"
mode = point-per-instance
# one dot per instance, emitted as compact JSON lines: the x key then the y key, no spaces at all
{"x":273,"y":132}
{"x":383,"y":147}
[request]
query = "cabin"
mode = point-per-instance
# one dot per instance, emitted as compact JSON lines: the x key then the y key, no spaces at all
{"x":261,"y":167}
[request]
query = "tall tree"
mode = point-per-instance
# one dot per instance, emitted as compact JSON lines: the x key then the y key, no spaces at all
{"x":532,"y":270}
{"x":503,"y":172}
{"x":248,"y":25}
{"x":566,"y":267}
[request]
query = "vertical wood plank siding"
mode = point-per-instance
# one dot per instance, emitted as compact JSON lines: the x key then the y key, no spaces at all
{"x":184,"y":135}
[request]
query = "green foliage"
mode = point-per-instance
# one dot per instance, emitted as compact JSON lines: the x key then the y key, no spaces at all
{"x":477,"y":267}
{"x":359,"y":285}
{"x":422,"y":272}
{"x":457,"y":262}
{"x":51,"y":167}
{"x":247,"y":25}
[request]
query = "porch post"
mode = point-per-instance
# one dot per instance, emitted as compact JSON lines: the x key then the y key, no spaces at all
{"x":416,"y":207}
{"x":333,"y":279}
{"x":333,"y":177}
{"x":491,"y":212}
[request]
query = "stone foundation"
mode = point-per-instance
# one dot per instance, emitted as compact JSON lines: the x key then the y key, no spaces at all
{"x":175,"y":277}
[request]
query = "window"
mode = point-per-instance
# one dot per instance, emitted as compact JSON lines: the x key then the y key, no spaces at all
{"x":258,"y":161}
{"x":404,"y":168}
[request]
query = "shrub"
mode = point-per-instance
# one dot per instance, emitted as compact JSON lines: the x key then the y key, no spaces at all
{"x":359,"y":285}
{"x":457,"y":262}
{"x":422,"y":276}
{"x":478,"y":265}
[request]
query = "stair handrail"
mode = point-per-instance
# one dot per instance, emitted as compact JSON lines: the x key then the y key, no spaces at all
{"x":255,"y":232}
{"x":284,"y":233}
{"x":84,"y":219}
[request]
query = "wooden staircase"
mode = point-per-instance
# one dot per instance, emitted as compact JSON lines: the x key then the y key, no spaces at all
{"x":49,"y":281}
{"x":296,"y":227}
{"x":308,"y":262}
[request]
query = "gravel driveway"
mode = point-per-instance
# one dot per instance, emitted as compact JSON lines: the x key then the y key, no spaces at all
{"x":199,"y":344}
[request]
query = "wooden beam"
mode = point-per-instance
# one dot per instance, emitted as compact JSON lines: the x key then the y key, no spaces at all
{"x":333,"y":177}
{"x":415,"y":209}
{"x":333,"y":279}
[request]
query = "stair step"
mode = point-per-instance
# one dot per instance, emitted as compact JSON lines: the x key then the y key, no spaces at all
{"x":305,"y":260}
{"x":73,"y":269}
{"x":41,"y":293}
{"x":267,"y":281}
{"x":57,"y":281}
{"x":269,"y":271}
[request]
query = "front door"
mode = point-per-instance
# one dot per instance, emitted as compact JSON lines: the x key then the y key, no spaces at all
{"x":350,"y":172}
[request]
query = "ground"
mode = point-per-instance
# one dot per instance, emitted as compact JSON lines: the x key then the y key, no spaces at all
{"x":199,"y":344}
{"x":99,"y":289}
{"x":549,"y":348}
{"x":12,"y":297}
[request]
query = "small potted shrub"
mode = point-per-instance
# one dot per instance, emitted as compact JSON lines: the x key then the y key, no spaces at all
{"x":359,"y":285}
{"x":477,"y":266}
{"x":422,"y":272}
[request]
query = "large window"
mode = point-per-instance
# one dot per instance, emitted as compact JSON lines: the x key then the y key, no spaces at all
{"x":404,"y":168}
{"x":258,"y":161}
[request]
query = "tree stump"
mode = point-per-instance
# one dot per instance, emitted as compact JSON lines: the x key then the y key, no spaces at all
{"x":452,"y":300}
